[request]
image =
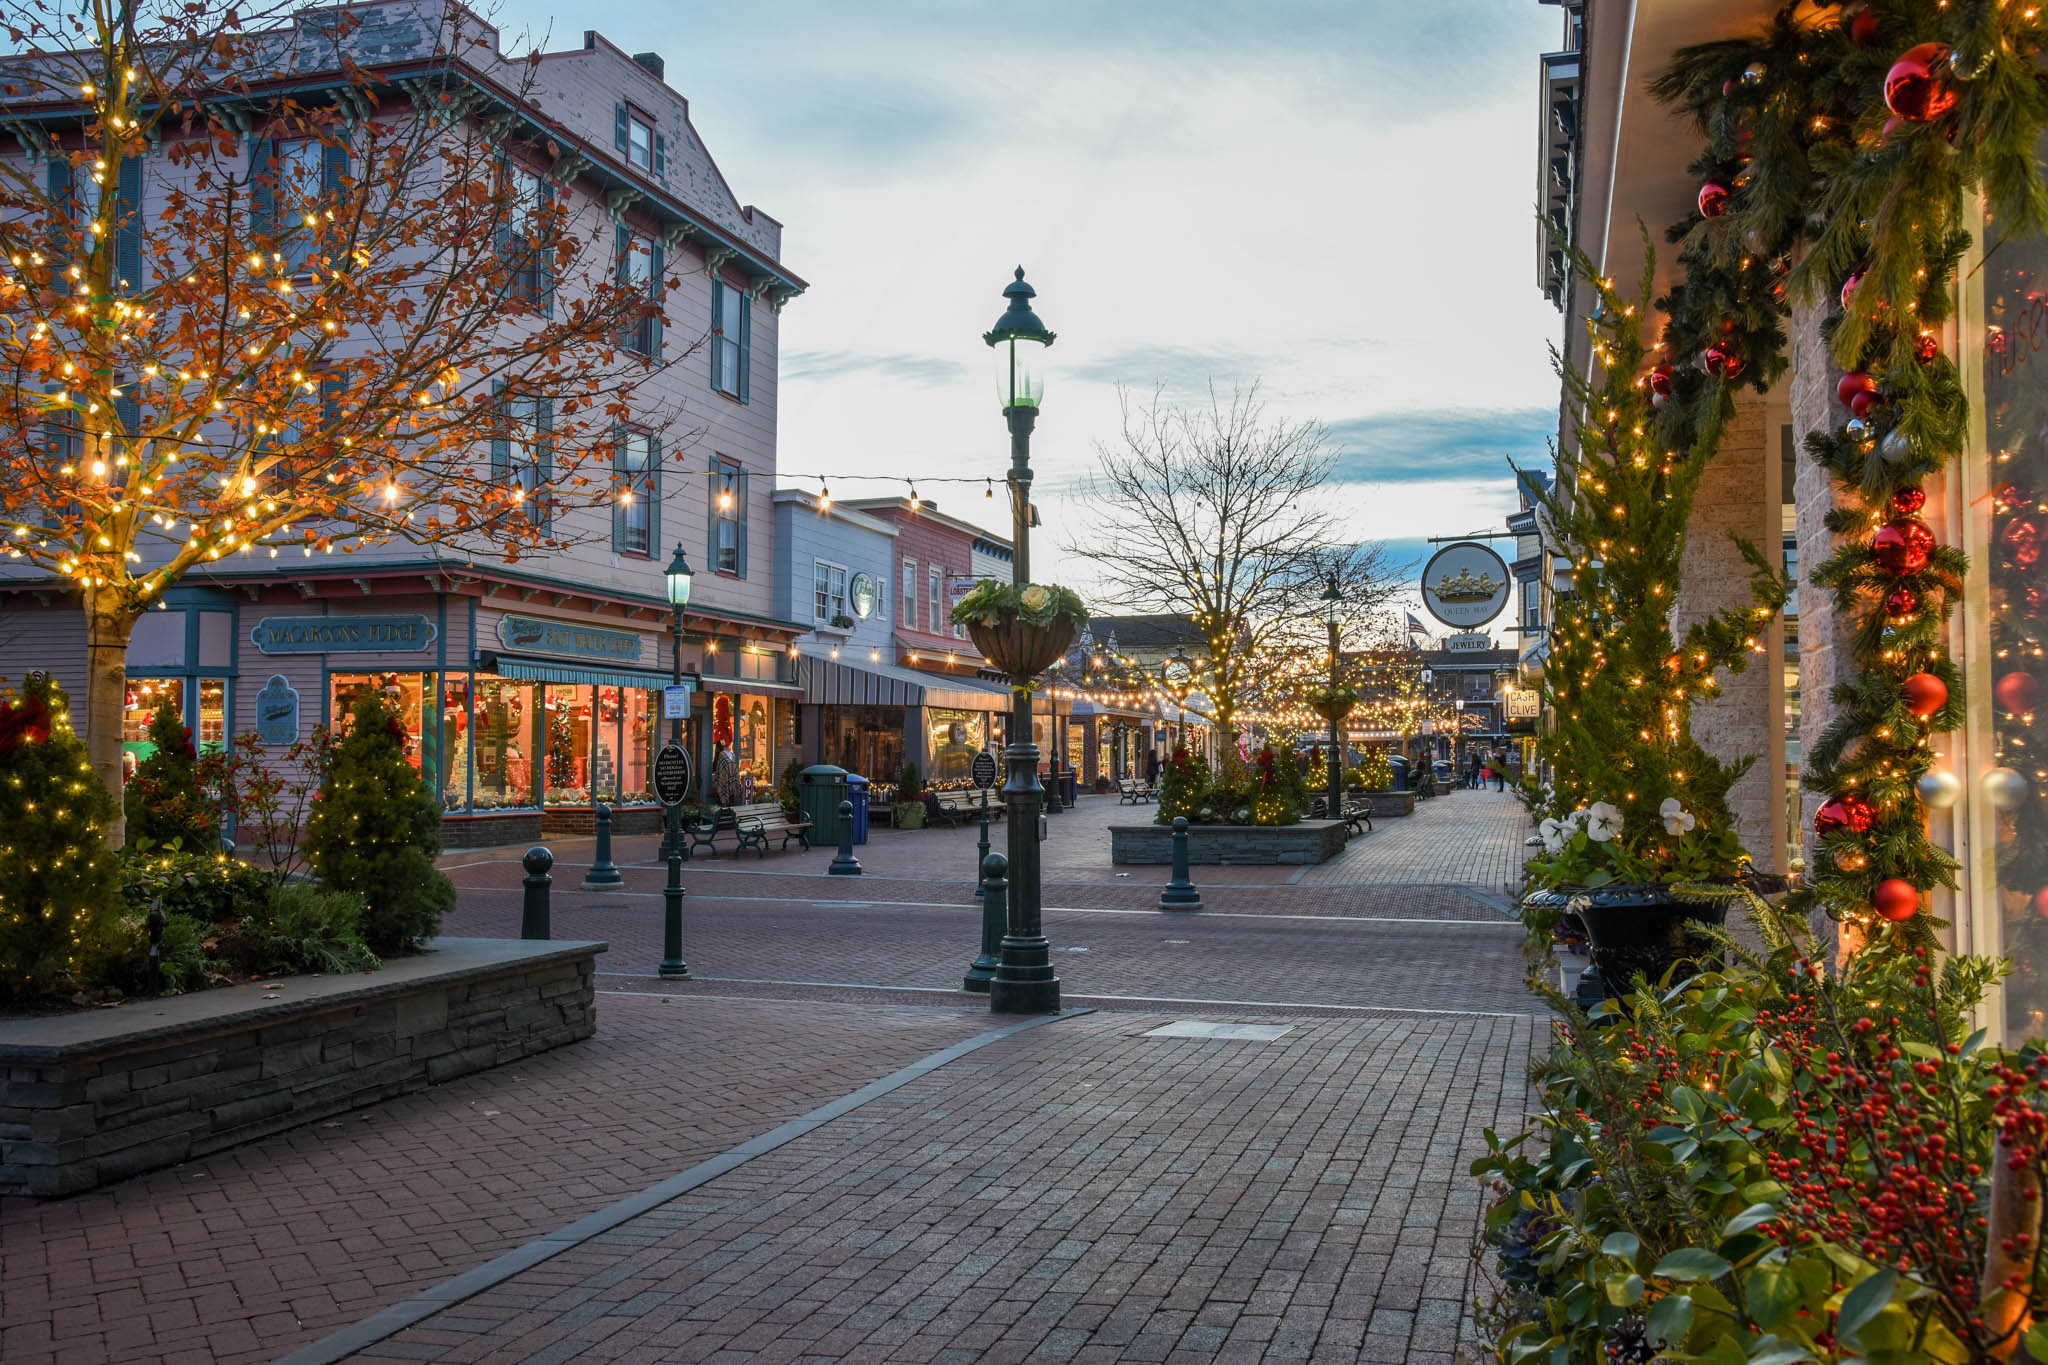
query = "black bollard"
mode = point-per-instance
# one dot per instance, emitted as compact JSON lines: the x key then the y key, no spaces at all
{"x":533,"y":918}
{"x":604,"y":874}
{"x":672,"y":964}
{"x":995,"y":905}
{"x":1180,"y":893}
{"x":845,"y":865}
{"x":156,"y":922}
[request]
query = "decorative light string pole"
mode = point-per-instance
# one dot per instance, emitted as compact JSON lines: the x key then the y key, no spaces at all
{"x":1333,"y":614}
{"x":1024,"y":982}
{"x":679,"y":577}
{"x":1177,"y":676}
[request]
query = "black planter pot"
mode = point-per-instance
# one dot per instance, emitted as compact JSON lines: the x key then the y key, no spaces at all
{"x":1644,"y":929}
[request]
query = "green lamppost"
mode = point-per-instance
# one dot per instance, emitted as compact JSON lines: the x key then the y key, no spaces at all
{"x":679,"y":576}
{"x":1024,"y":981}
{"x":1333,"y":615}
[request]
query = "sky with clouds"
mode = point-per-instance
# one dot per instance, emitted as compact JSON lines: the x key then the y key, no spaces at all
{"x":1332,"y":198}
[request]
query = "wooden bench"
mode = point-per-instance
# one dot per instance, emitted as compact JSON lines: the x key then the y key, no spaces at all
{"x":1354,"y":812}
{"x":950,"y":808}
{"x":750,"y":827}
{"x":1134,"y":791}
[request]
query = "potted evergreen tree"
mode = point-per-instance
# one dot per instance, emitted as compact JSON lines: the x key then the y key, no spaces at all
{"x":910,"y":798}
{"x":1637,"y":809}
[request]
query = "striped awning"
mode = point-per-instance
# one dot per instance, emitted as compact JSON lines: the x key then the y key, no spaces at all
{"x":828,"y":682}
{"x":555,"y":671}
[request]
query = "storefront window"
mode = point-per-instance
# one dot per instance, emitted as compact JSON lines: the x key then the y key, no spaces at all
{"x":213,"y":713}
{"x":568,"y":743}
{"x":955,"y":737}
{"x":636,"y":750}
{"x":403,"y":694}
{"x":754,"y":746}
{"x":506,"y":736}
{"x":864,"y":739}
{"x":455,"y":739}
{"x":2016,"y":437}
{"x":145,"y":697}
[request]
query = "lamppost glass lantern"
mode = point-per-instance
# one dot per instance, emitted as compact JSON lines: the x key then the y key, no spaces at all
{"x":1333,"y":604}
{"x":679,"y":575}
{"x":1019,"y":340}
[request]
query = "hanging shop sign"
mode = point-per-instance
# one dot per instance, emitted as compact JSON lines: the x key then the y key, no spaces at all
{"x":1465,"y":585}
{"x":568,"y":639}
{"x":1524,"y":705}
{"x":1468,"y":641}
{"x":277,"y":712}
{"x":343,"y":634}
{"x":860,"y":594}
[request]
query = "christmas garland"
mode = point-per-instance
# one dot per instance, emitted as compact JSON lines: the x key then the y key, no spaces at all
{"x":1851,"y":145}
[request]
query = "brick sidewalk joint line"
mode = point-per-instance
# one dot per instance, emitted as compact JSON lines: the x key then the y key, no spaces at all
{"x":425,"y":1304}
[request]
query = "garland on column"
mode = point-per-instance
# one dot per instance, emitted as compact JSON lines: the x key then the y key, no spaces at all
{"x":1855,"y":142}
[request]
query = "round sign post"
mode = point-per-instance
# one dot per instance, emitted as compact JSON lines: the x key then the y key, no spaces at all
{"x":671,"y":788}
{"x":983,"y":772}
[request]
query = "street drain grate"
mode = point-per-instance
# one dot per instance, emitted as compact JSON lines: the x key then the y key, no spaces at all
{"x":1202,"y":1028}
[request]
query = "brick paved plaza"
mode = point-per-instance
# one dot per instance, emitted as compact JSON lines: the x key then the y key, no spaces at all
{"x":818,"y":1149}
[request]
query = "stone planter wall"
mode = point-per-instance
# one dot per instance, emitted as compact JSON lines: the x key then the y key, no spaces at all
{"x":490,"y":831}
{"x":1387,"y":805}
{"x":1310,"y":841}
{"x":94,"y":1096}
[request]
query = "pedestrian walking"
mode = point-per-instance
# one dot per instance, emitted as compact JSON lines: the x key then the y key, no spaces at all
{"x":1500,"y":779}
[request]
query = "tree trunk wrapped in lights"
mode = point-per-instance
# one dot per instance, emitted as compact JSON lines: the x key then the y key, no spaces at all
{"x":247,"y":323}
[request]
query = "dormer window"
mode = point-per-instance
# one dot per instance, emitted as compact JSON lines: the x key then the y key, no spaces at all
{"x":639,"y":142}
{"x":637,"y":138}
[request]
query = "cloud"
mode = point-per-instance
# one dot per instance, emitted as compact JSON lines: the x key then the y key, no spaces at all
{"x":1415,"y":447}
{"x":1178,"y":368}
{"x":915,"y":369}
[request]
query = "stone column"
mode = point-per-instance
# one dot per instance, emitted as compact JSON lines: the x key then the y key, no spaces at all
{"x":1741,"y":492}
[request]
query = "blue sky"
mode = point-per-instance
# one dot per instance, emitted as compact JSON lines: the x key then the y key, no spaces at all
{"x":1332,"y":199}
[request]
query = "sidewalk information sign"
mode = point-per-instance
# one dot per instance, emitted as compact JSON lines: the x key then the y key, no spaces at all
{"x":983,"y":774}
{"x":675,"y":701}
{"x":672,"y":774}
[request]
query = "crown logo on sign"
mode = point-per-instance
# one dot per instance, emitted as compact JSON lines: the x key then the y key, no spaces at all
{"x":1466,"y":587}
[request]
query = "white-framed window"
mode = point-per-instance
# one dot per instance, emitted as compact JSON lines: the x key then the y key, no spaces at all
{"x":910,"y":594}
{"x":633,"y":526}
{"x":639,"y":269}
{"x":728,"y":339}
{"x":639,"y":140}
{"x":525,"y":426}
{"x":829,"y":591}
{"x":935,"y":619}
{"x":729,"y":506}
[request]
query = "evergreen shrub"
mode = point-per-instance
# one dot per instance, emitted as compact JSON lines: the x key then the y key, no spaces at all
{"x":162,"y":799}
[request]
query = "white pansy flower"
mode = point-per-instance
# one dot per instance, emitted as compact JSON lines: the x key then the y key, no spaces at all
{"x":1603,"y":822}
{"x":1577,"y":819}
{"x":1677,"y":820}
{"x":1553,"y":835}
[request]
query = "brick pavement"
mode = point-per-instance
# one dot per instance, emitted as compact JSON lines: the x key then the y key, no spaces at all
{"x":241,"y":1255}
{"x":1081,"y":1192}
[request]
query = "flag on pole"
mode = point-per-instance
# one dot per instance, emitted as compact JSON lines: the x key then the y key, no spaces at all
{"x":1415,"y":627}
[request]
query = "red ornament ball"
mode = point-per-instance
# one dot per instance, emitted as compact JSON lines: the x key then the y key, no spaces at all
{"x":2022,"y":539}
{"x":1924,"y":694}
{"x":1849,"y":289}
{"x":1850,"y":813}
{"x":1927,"y":347}
{"x":1901,"y":602}
{"x":1853,"y":383}
{"x":2017,"y":692}
{"x":1907,"y":501}
{"x":1914,"y":88}
{"x":1896,"y":899}
{"x":1863,"y":28}
{"x":1713,"y":200}
{"x":2041,"y":902}
{"x":1659,"y":381}
{"x":1862,"y":402}
{"x":1720,"y":362}
{"x":1903,"y":546}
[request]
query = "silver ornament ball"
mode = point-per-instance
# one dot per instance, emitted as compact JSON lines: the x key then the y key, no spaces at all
{"x":1939,"y":788}
{"x":1896,"y":447}
{"x":1967,"y":69}
{"x":1753,"y":74}
{"x":1858,"y":430}
{"x":2004,"y":788}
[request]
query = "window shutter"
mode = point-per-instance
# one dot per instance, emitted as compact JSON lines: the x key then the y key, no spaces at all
{"x":660,"y":155}
{"x":654,"y":275}
{"x":717,"y":351}
{"x":654,"y":495}
{"x":503,"y":233}
{"x":544,"y":256}
{"x":621,"y":484}
{"x":746,"y":361}
{"x":128,"y":222}
{"x":501,"y":439}
{"x":621,"y":132}
{"x":739,"y":498}
{"x":544,"y":476}
{"x":129,"y":414}
{"x":262,"y":186}
{"x":622,"y":248}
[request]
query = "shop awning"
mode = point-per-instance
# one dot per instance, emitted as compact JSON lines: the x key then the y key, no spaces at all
{"x":828,"y":682}
{"x":752,"y":685}
{"x":555,"y":671}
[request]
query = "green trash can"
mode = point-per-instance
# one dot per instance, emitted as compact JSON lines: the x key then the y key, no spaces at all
{"x":819,"y":790}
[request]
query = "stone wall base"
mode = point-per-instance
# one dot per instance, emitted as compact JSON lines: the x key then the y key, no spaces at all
{"x":1310,"y":841}
{"x":95,"y":1096}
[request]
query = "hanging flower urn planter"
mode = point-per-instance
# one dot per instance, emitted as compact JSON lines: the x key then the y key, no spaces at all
{"x":1333,"y":703}
{"x":1022,"y":631}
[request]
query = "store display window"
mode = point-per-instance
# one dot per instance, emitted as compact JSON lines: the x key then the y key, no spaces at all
{"x":569,"y":748}
{"x":505,"y":736}
{"x":403,"y":694}
{"x":953,"y":738}
{"x":145,"y":696}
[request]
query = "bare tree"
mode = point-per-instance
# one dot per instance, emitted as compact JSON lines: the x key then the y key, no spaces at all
{"x":1220,"y":515}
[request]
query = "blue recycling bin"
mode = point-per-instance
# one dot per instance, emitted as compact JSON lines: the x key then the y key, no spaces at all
{"x":857,"y":792}
{"x":1070,"y":787}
